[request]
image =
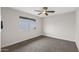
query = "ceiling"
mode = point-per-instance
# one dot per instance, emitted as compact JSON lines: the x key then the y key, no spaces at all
{"x":59,"y":10}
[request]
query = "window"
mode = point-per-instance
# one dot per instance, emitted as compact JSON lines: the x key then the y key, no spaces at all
{"x":27,"y":24}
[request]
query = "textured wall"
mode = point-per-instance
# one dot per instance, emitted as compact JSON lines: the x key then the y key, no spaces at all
{"x":60,"y":26}
{"x":77,"y":28}
{"x":11,"y":34}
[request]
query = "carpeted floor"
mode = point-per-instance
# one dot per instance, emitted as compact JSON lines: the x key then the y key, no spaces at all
{"x":44,"y":44}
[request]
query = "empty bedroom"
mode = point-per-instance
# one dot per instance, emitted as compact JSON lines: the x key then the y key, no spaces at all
{"x":39,"y":29}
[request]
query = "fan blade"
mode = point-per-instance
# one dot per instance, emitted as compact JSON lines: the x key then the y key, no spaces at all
{"x":46,"y":14}
{"x":50,"y":11}
{"x":38,"y":10}
{"x":39,"y":13}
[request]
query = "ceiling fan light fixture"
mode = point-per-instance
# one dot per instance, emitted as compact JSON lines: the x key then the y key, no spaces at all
{"x":44,"y":11}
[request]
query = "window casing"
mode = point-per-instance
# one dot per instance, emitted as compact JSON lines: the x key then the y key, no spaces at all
{"x":27,"y":24}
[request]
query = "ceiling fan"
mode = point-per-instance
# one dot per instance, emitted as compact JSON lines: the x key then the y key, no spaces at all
{"x":44,"y":11}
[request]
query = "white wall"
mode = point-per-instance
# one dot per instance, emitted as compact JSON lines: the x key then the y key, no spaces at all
{"x":77,"y":28}
{"x":11,"y":34}
{"x":60,"y":26}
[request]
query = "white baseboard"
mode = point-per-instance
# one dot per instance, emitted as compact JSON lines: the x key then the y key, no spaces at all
{"x":63,"y":38}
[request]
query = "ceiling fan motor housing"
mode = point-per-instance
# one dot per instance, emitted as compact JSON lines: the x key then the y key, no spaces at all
{"x":45,"y":8}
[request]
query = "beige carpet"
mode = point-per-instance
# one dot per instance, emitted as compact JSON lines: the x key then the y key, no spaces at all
{"x":44,"y":44}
